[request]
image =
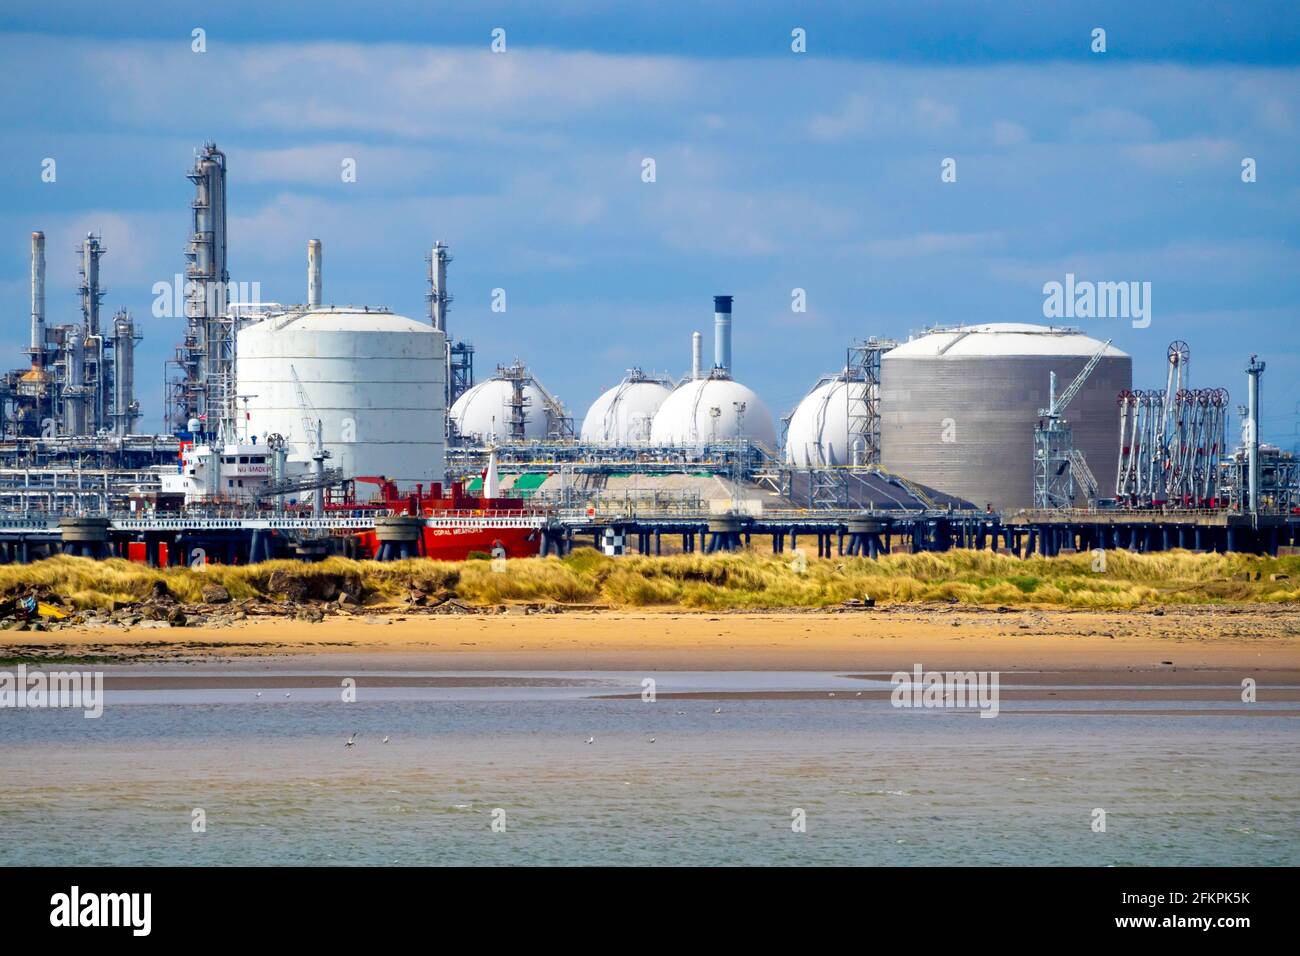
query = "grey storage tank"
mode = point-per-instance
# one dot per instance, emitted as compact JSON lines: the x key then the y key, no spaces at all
{"x":958,"y":407}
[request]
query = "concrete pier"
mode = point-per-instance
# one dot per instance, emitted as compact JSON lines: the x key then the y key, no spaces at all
{"x":85,"y":537}
{"x":400,"y":537}
{"x":178,"y":540}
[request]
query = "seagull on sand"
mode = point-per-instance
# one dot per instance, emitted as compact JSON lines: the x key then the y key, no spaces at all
{"x":352,"y":740}
{"x":591,"y":740}
{"x":288,"y":695}
{"x":652,"y":740}
{"x":717,"y":710}
{"x":258,"y":694}
{"x":385,"y":740}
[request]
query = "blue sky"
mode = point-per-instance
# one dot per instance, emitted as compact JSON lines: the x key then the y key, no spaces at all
{"x":775,"y":171}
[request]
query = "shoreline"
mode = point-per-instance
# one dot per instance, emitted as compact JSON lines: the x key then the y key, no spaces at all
{"x":1178,"y":645}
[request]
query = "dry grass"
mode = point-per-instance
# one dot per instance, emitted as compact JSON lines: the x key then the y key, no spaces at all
{"x":705,"y":582}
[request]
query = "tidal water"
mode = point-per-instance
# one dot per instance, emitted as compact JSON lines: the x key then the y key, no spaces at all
{"x":877,"y":786}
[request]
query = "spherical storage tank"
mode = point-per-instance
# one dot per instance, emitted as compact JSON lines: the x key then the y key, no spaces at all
{"x":687,"y":416}
{"x":374,"y":379}
{"x":819,"y":428}
{"x":958,"y":407}
{"x":485,"y":411}
{"x":624,"y":413}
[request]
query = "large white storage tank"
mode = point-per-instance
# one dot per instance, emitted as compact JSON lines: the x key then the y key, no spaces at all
{"x":624,"y":414}
{"x":485,"y":411}
{"x":958,"y":407}
{"x":818,"y":434}
{"x":708,"y":410}
{"x":375,"y":380}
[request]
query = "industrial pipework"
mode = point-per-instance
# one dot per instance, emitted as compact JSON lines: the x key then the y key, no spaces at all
{"x":125,"y":407}
{"x":74,"y":405}
{"x":313,"y":273}
{"x":697,"y":356}
{"x":91,"y":294}
{"x":722,"y":333}
{"x":206,"y":357}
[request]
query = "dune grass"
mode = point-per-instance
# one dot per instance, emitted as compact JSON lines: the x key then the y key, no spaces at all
{"x":706,"y":582}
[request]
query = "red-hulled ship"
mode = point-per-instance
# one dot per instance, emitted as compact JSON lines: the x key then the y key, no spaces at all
{"x":457,"y":524}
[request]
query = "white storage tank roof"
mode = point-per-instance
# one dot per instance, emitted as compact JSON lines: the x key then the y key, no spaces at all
{"x":485,"y":411}
{"x":999,"y":339}
{"x":686,"y":416}
{"x":624,"y":413}
{"x":374,"y":379}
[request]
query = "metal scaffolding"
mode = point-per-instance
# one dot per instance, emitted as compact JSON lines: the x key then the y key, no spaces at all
{"x":862,"y":365}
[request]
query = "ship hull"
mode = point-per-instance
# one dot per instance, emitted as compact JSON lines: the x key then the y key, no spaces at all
{"x":455,"y":541}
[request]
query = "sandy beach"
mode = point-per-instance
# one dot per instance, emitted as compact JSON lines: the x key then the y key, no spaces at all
{"x":1180,"y":646}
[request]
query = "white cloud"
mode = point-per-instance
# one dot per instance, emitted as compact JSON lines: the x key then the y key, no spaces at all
{"x":1007,"y":133}
{"x":847,"y":121}
{"x":411,"y":92}
{"x":1180,"y":261}
{"x":321,"y":164}
{"x":933,"y":244}
{"x":1111,"y":123}
{"x":935,"y":114}
{"x":1180,"y":155}
{"x":730,"y":223}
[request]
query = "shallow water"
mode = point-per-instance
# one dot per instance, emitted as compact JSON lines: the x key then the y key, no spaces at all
{"x":878,"y":785}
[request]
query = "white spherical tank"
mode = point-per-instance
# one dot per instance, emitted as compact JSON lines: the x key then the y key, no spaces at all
{"x":958,"y":407}
{"x":624,"y":413}
{"x":486,"y":411}
{"x":705,"y":410}
{"x":819,"y":428}
{"x":374,"y":379}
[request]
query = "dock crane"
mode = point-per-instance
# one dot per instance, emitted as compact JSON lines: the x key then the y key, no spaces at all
{"x":1057,"y":463}
{"x":314,"y":434}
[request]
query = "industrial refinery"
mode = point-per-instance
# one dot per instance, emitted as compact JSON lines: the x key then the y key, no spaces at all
{"x":308,"y":429}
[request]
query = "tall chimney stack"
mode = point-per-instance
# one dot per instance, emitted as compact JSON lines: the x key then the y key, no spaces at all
{"x":722,"y":332}
{"x":313,"y":273}
{"x":697,"y":356}
{"x":437,"y":295}
{"x":38,"y":298}
{"x":1253,"y":371}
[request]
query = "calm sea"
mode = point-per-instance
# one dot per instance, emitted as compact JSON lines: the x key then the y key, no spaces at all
{"x":876,"y":785}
